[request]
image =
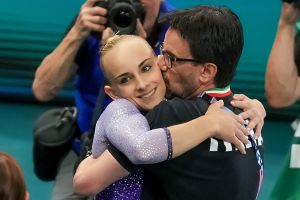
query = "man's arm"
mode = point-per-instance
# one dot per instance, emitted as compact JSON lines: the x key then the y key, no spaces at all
{"x":95,"y":174}
{"x":215,"y":123}
{"x":59,"y":65}
{"x":282,"y":81}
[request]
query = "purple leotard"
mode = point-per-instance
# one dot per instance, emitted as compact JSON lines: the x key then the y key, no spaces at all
{"x":122,"y":125}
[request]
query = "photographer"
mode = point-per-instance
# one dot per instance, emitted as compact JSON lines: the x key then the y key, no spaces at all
{"x":78,"y":55}
{"x":282,"y":80}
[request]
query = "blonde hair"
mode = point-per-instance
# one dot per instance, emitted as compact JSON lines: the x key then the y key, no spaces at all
{"x":113,"y":41}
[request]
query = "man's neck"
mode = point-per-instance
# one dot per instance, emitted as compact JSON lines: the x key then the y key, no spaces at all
{"x":200,"y":90}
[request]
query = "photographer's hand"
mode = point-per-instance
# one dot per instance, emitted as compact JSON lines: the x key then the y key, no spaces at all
{"x":90,"y":18}
{"x":106,"y":34}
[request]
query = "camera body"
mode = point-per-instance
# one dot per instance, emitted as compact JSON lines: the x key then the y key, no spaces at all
{"x":122,"y":14}
{"x":296,"y":3}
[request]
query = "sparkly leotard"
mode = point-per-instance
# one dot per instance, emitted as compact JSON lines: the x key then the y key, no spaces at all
{"x":122,"y":125}
{"x":127,"y":188}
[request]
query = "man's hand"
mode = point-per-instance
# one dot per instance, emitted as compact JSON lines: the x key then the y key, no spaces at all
{"x":230,"y":126}
{"x":254,"y":111}
{"x":90,"y":18}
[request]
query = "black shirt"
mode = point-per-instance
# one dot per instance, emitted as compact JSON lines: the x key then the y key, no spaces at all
{"x":214,"y":170}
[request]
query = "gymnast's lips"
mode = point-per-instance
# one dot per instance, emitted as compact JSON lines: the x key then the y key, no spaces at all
{"x":147,"y":94}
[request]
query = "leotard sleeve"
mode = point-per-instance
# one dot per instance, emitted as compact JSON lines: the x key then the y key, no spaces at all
{"x":122,"y":125}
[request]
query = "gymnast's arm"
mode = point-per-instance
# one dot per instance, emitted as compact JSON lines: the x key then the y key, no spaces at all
{"x":122,"y":125}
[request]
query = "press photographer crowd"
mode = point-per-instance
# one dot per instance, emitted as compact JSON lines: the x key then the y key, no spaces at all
{"x":154,"y":114}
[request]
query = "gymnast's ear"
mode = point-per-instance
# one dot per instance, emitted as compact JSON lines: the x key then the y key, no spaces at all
{"x":111,"y":92}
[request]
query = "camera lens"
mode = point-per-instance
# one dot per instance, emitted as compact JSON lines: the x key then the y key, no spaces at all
{"x":123,"y":19}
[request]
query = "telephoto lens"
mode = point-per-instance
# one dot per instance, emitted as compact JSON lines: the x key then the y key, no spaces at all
{"x":122,"y":14}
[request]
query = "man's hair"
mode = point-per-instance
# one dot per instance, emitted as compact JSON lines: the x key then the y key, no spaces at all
{"x":214,"y":34}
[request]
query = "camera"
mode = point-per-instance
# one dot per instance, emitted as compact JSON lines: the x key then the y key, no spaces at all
{"x":122,"y":14}
{"x":296,"y":3}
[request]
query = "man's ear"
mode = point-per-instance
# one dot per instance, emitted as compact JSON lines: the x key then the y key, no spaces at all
{"x":111,"y":92}
{"x":208,"y":72}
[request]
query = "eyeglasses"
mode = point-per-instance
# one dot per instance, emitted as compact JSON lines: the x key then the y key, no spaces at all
{"x":170,"y":59}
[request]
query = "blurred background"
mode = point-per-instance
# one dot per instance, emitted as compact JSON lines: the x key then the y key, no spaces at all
{"x":29,"y":30}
